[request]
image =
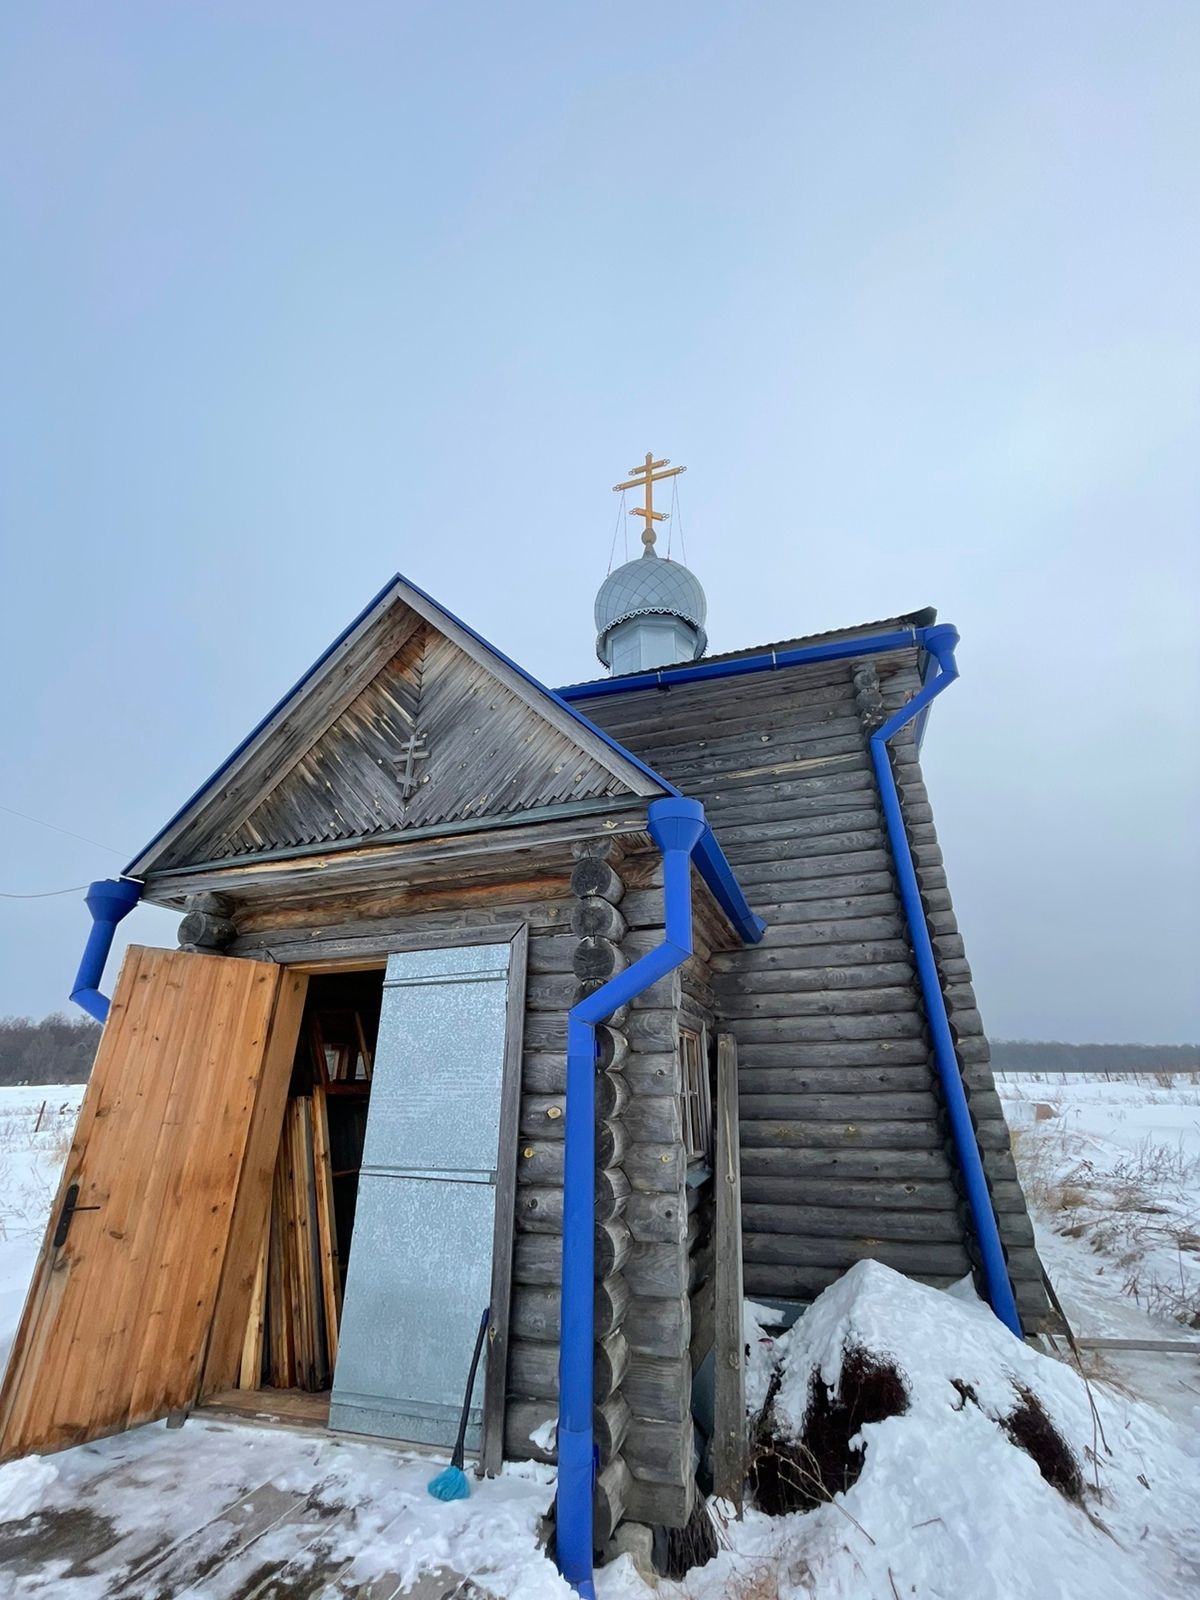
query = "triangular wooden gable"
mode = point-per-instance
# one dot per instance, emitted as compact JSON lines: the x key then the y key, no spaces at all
{"x":333,"y":763}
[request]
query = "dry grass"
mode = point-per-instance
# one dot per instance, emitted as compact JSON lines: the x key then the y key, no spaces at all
{"x":1136,"y":1213}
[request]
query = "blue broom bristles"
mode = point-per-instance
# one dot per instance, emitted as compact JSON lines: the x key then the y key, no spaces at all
{"x":450,"y":1485}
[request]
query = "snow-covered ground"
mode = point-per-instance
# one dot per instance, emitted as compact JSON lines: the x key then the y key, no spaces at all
{"x":1112,"y":1174}
{"x":35,"y":1135}
{"x":946,"y":1503}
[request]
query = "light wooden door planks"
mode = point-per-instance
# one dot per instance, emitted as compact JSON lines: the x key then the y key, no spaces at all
{"x":117,"y":1322}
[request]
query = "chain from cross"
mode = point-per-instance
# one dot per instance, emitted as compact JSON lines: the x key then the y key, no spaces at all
{"x":412,"y":753}
{"x":645,"y":477}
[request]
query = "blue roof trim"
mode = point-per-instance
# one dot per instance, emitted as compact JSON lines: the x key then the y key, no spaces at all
{"x":711,"y":862}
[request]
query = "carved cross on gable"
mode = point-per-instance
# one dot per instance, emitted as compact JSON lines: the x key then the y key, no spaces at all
{"x":412,"y":753}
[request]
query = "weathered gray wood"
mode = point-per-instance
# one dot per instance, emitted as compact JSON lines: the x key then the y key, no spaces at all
{"x":492,"y":1434}
{"x":660,"y":1452}
{"x":203,"y":930}
{"x":772,"y":977}
{"x":653,"y":1073}
{"x":919,"y":1195}
{"x":835,"y":1053}
{"x":533,"y":1367}
{"x":659,"y":1388}
{"x":729,"y":1400}
{"x":658,"y":1167}
{"x":657,"y":1271}
{"x":610,"y":1422}
{"x":836,"y":1080}
{"x":833,"y":1221}
{"x":889,"y":1026}
{"x":662,"y":1505}
{"x":610,"y":1500}
{"x":535,"y":1309}
{"x":592,"y":877}
{"x":905,"y":1256}
{"x":537,"y":1257}
{"x":848,"y":1003}
{"x":596,"y":918}
{"x":657,"y":1217}
{"x":859,"y":1134}
{"x":654,"y":1119}
{"x":598,"y":959}
{"x":847,"y":1108}
{"x":842,"y":1161}
{"x":658,"y":1327}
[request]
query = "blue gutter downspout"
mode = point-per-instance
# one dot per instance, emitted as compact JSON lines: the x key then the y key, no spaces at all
{"x":679,"y":829}
{"x":940,"y":642}
{"x":108,"y":899}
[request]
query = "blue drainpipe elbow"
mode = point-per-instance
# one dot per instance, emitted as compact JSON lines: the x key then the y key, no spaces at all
{"x":108,"y":899}
{"x":677,"y":826}
{"x":940,"y":641}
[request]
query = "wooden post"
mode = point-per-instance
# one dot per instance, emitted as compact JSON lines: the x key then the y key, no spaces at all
{"x":729,"y":1427}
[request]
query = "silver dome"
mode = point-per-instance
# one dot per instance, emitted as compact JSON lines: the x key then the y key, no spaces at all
{"x":650,"y":586}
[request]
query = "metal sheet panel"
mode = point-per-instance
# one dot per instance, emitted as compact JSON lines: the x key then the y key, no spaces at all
{"x":420,"y":1266}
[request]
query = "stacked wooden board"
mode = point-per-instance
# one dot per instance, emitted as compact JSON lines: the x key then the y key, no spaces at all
{"x":291,"y":1333}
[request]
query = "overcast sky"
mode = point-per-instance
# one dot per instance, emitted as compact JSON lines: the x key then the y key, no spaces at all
{"x":296,"y":295}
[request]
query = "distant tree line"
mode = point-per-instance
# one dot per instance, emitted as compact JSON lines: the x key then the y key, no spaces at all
{"x":59,"y":1049}
{"x":1052,"y":1055}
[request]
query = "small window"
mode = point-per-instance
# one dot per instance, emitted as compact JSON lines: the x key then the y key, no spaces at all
{"x":697,"y":1104}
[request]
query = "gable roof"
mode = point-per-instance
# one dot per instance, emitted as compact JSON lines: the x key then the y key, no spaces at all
{"x":370,"y":677}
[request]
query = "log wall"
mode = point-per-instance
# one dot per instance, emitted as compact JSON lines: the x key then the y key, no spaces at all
{"x":844,"y":1150}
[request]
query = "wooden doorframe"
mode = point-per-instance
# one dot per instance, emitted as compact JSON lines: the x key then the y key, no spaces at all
{"x":516,"y":936}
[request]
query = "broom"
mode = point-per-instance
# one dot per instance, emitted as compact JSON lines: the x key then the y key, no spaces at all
{"x":452,"y":1483}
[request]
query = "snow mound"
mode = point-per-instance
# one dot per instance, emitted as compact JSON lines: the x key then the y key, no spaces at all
{"x":946,"y":1496}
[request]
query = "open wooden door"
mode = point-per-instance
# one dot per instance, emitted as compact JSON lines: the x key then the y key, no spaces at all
{"x":179,"y":1121}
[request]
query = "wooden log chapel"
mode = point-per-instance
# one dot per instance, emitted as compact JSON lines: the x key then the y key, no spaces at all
{"x":329,"y":1130}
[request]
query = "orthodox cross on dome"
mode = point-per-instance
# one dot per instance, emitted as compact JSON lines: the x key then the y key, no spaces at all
{"x":412,"y":753}
{"x":645,"y":477}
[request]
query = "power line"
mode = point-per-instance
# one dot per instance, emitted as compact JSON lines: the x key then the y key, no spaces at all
{"x":47,"y":894}
{"x":54,"y":827}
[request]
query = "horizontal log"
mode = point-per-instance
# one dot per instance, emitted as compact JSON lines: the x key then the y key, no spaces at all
{"x":533,"y":1367}
{"x":596,"y":918}
{"x":782,"y":1250}
{"x":537,"y":1257}
{"x":653,"y":1030}
{"x":835,"y":1080}
{"x":811,"y":966}
{"x":658,"y":1271}
{"x":592,"y":878}
{"x":658,"y":1167}
{"x":659,"y":1451}
{"x":535,"y":1310}
{"x":599,"y":959}
{"x":868,"y":1227}
{"x":610,"y":1500}
{"x":653,"y":1119}
{"x":661,"y":1505}
{"x":845,"y":1003}
{"x":523,"y":1418}
{"x":542,"y":1116}
{"x":740,"y":978}
{"x":540,"y":1163}
{"x":831,"y":1053}
{"x":845,"y":1108}
{"x":657,"y":1218}
{"x":833,"y":1191}
{"x":841,"y":1163}
{"x":919,"y":1134}
{"x":658,"y":1327}
{"x":886,"y":1025}
{"x":659,"y":1388}
{"x":653,"y":1074}
{"x":772,"y":1281}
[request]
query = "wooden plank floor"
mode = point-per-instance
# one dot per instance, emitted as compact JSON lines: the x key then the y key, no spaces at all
{"x":268,"y":1544}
